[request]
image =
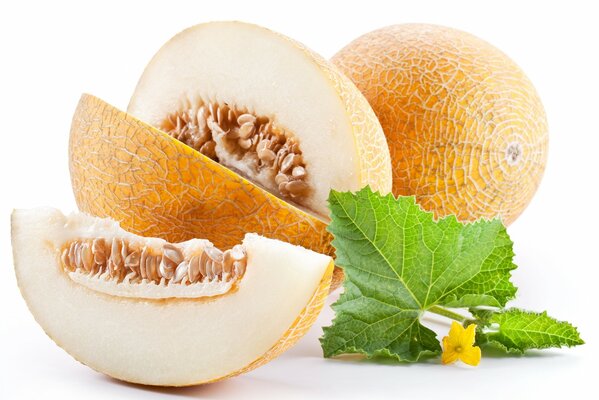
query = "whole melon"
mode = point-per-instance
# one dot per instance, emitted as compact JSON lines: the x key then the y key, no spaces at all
{"x":466,"y":129}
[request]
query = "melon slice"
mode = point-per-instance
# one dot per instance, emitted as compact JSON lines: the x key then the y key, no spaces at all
{"x":147,"y":311}
{"x":266,"y":107}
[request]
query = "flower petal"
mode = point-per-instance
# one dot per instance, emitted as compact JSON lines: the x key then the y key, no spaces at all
{"x":447,"y":343}
{"x":469,"y":335}
{"x":471,"y":356}
{"x":449,"y":356}
{"x":455,"y":331}
{"x":450,"y":342}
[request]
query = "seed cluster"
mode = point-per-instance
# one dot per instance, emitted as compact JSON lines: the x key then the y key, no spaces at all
{"x":120,"y":260}
{"x":255,"y":139}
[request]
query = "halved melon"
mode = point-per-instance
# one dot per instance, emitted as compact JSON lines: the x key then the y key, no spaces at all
{"x":247,"y":130}
{"x":147,"y":311}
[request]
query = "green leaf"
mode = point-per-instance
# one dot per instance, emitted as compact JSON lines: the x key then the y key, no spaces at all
{"x":399,"y":262}
{"x":516,"y":330}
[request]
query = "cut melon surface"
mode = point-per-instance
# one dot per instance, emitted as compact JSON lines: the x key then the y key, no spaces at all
{"x":234,"y":68}
{"x":157,"y":331}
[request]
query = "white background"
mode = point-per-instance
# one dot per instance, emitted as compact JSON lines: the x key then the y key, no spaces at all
{"x":51,"y":52}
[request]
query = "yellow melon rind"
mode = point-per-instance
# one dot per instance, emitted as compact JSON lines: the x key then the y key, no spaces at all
{"x":156,"y":186}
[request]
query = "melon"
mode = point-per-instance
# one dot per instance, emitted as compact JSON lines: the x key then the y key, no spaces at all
{"x":466,"y":129}
{"x":147,"y":311}
{"x":231,"y":128}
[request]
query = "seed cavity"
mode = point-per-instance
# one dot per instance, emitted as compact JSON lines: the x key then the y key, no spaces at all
{"x":119,"y":268}
{"x":250,"y":144}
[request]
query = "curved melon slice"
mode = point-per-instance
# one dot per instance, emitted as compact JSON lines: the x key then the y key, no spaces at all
{"x":266,"y":107}
{"x":174,"y":314}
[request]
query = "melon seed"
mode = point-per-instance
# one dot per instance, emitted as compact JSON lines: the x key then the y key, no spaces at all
{"x":166,"y":265}
{"x":243,"y":136}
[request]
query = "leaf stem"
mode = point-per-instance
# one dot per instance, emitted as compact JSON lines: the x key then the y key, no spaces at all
{"x":447,"y":313}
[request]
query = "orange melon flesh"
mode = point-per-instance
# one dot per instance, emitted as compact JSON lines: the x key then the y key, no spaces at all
{"x":169,"y":342}
{"x":466,"y":129}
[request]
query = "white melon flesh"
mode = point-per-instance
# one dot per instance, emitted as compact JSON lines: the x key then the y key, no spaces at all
{"x":170,"y":341}
{"x":270,"y":75}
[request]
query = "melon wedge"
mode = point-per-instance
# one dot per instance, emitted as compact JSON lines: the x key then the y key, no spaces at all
{"x":158,"y":331}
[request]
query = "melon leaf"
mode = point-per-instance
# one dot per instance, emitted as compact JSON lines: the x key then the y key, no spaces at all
{"x":399,"y":262}
{"x":515,"y":330}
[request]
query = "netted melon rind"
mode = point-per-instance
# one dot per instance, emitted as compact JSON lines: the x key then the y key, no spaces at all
{"x":156,"y":186}
{"x":451,"y":105}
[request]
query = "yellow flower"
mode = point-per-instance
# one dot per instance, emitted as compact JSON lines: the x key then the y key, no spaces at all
{"x":459,"y":345}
